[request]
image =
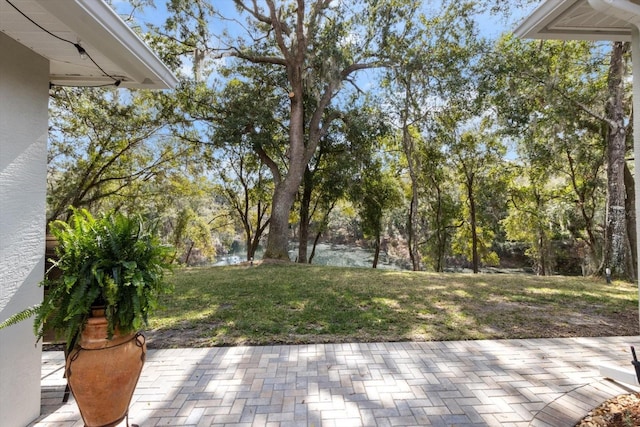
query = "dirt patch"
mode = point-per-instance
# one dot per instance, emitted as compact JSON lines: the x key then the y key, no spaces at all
{"x":172,"y":338}
{"x":538,"y":321}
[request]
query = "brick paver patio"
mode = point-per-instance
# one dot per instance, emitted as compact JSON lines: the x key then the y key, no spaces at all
{"x":539,"y":382}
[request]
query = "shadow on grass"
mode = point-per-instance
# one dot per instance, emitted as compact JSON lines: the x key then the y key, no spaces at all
{"x":297,"y":304}
{"x":425,"y":382}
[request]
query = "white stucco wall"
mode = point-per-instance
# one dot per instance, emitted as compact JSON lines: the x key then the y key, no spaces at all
{"x":24,"y":80}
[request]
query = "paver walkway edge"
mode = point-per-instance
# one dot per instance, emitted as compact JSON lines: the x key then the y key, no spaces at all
{"x":533,"y":382}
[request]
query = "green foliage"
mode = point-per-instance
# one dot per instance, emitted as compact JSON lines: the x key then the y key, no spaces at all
{"x":440,"y":207}
{"x":529,"y":219}
{"x":550,"y":96}
{"x":228,"y":125}
{"x":284,"y":74}
{"x":375,"y":193}
{"x":115,"y":261}
{"x":20,"y":316}
{"x":476,"y":157}
{"x":192,"y":231}
{"x":110,"y":150}
{"x":462,"y":240}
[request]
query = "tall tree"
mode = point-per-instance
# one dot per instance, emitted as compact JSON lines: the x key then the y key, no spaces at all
{"x":246,"y":189}
{"x":433,"y":65}
{"x":529,"y":221}
{"x":617,"y":248}
{"x":313,"y":45}
{"x":476,"y":157}
{"x":341,"y":154}
{"x":244,"y":117}
{"x":375,"y":193}
{"x":440,"y":208}
{"x":569,"y":103}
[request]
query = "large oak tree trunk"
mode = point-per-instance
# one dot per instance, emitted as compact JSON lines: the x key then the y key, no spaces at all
{"x":414,"y":251}
{"x":287,"y":187}
{"x":616,"y":248}
{"x":278,"y":240}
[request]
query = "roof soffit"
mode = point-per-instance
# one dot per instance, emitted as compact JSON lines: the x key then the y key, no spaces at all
{"x":100,"y":31}
{"x":574,"y":20}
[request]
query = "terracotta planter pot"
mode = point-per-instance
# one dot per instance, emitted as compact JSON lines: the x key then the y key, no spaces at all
{"x":102,"y":373}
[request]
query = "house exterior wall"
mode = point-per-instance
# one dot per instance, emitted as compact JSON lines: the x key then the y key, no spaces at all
{"x":24,"y":80}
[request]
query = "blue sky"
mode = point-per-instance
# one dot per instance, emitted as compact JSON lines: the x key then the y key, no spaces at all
{"x":490,"y":26}
{"x":158,"y":14}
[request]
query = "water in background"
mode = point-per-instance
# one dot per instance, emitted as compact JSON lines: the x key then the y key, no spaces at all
{"x":326,"y":254}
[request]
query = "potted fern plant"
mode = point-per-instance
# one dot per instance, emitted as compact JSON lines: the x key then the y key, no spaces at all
{"x":111,"y":276}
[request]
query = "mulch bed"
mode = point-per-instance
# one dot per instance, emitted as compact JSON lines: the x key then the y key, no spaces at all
{"x":620,"y":411}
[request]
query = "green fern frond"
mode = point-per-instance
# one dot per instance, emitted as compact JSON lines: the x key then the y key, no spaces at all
{"x":115,"y":261}
{"x":20,"y":316}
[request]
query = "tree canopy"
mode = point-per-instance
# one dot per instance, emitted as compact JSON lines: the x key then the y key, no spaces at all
{"x":390,"y":123}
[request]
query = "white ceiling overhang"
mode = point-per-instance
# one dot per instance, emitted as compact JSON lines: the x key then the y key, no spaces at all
{"x":581,"y":20}
{"x":98,"y":29}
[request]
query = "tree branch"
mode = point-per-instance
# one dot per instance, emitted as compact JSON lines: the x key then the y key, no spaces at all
{"x":279,"y":29}
{"x":255,"y":12}
{"x":255,"y":59}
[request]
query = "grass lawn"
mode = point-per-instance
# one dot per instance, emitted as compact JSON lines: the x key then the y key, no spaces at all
{"x":294,"y":304}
